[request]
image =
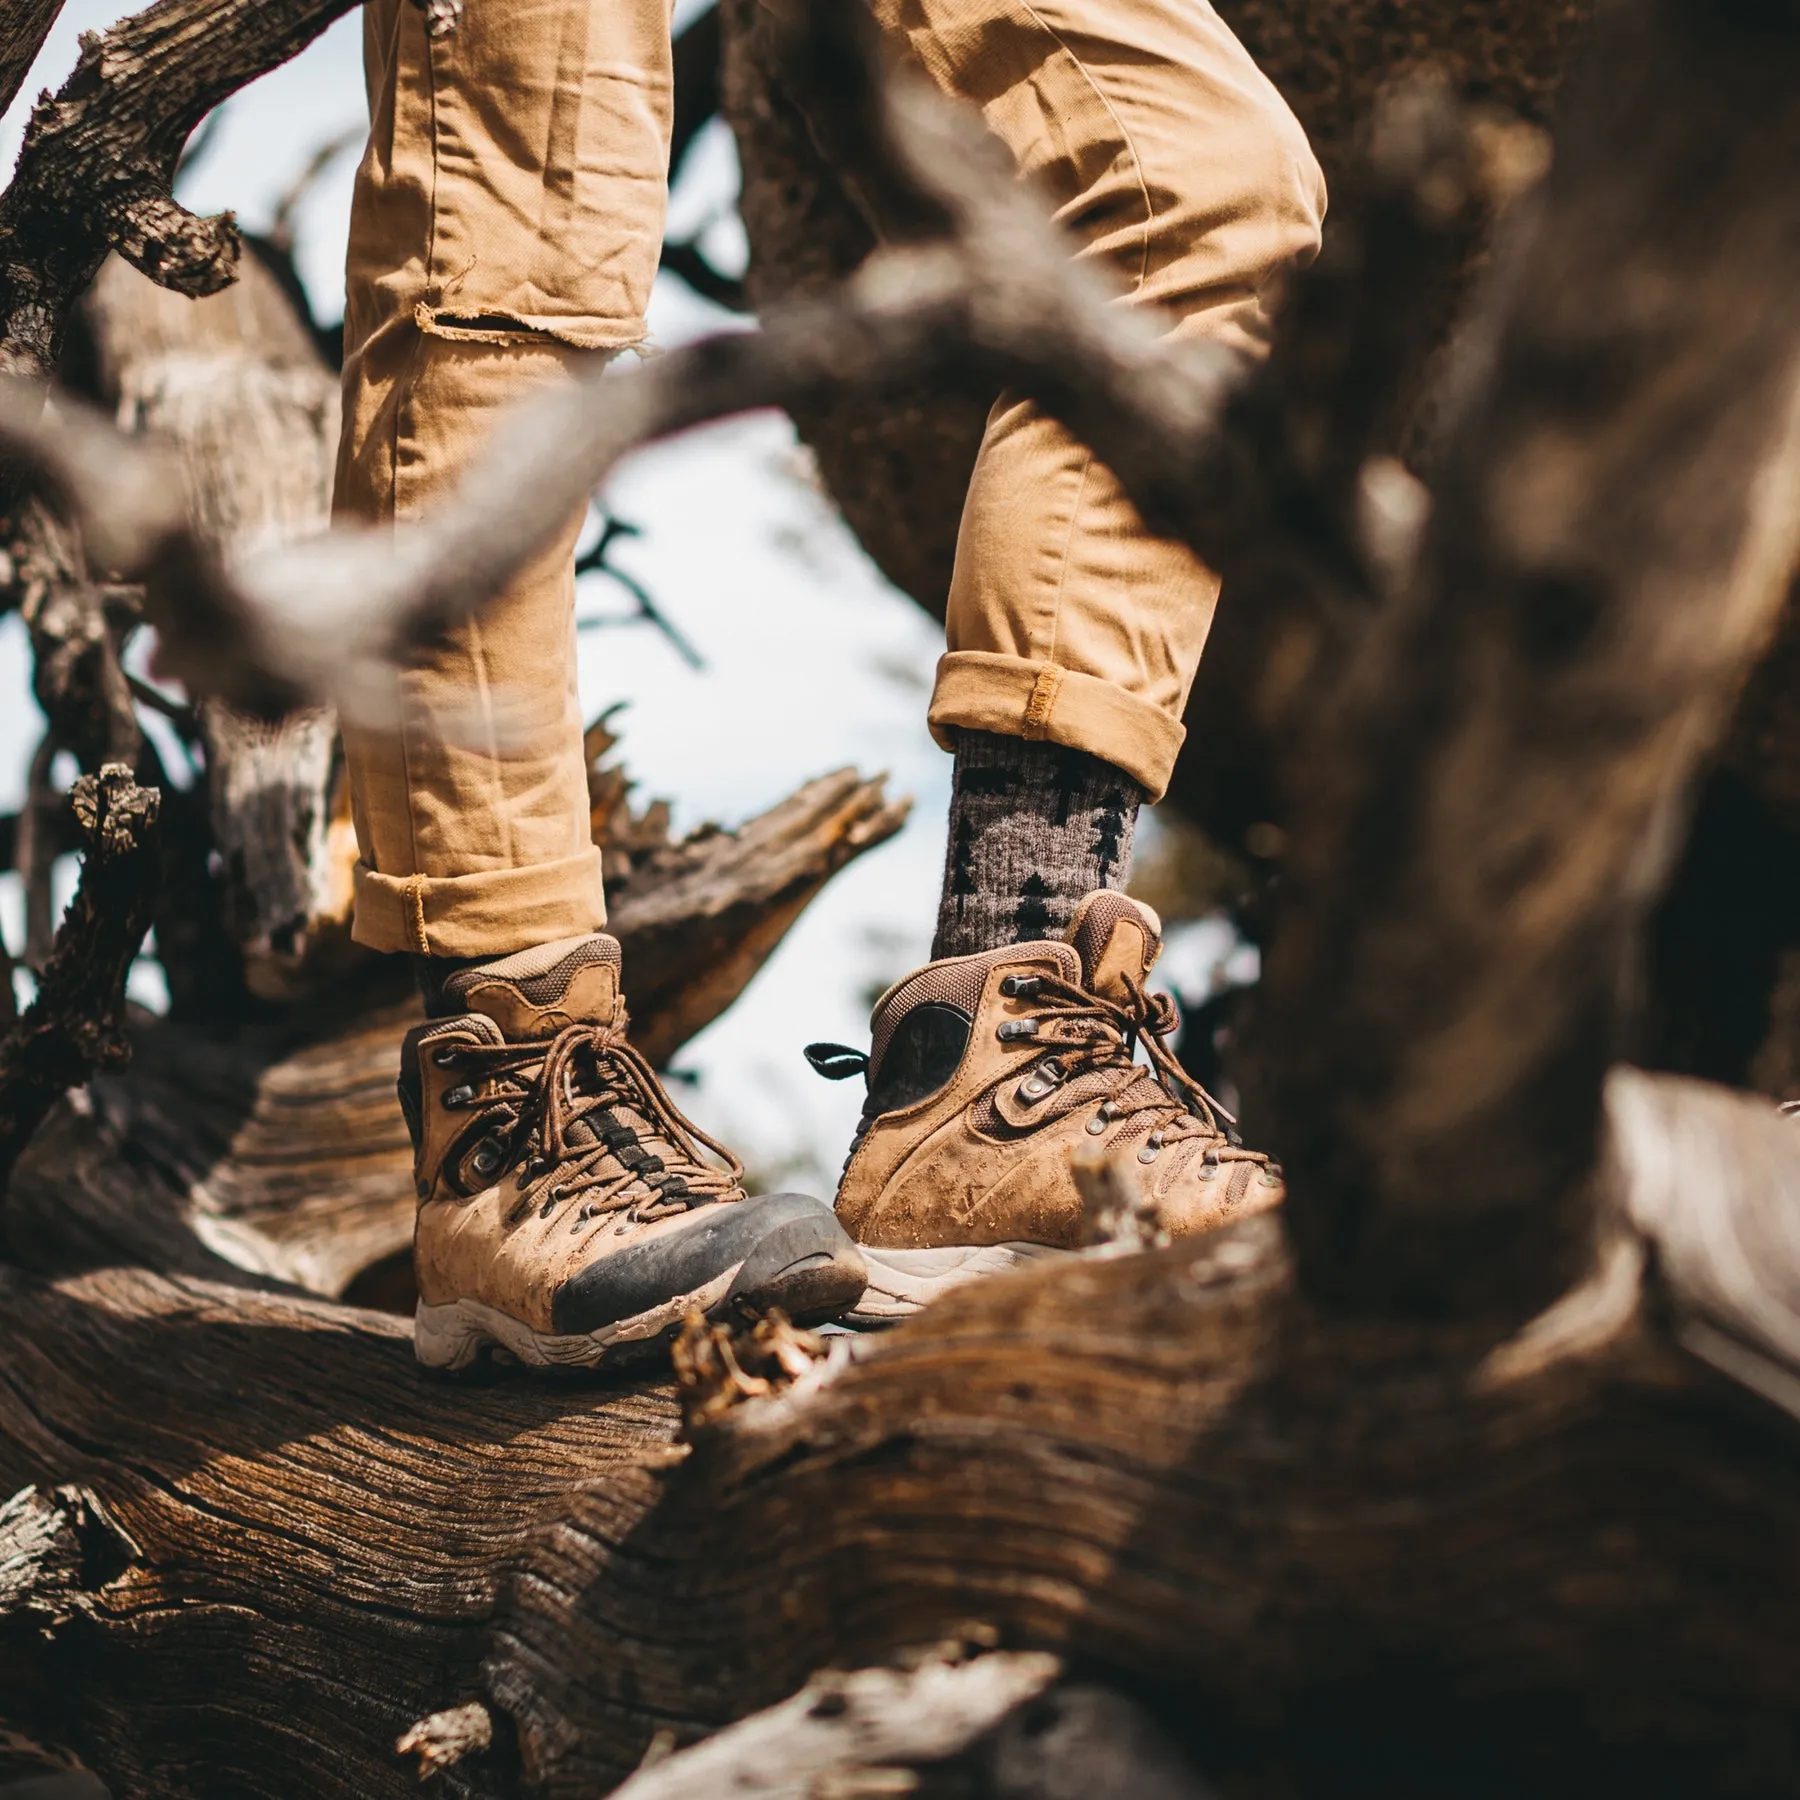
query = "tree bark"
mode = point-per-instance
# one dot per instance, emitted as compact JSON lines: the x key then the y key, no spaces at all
{"x":22,"y":35}
{"x":75,"y":1025}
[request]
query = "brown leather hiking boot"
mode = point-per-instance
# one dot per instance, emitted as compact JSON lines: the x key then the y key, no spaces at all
{"x":987,"y":1072}
{"x":566,"y":1208}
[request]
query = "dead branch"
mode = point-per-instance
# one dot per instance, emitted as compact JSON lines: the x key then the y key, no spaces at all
{"x":234,"y":388}
{"x":700,"y":918}
{"x":849,"y":1723}
{"x":98,"y":159}
{"x":22,"y":34}
{"x":76,"y":1024}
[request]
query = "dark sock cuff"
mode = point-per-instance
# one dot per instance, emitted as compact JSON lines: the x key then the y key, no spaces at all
{"x":1034,"y":826}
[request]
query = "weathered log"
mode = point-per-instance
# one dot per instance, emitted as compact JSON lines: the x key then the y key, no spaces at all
{"x":1565,"y":1558}
{"x":356,"y":1494}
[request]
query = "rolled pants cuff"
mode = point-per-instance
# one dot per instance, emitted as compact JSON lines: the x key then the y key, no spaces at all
{"x":981,"y":690}
{"x":467,"y":915}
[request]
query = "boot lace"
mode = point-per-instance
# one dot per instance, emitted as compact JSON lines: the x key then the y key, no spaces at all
{"x":1089,"y":1034}
{"x":558,"y":1105}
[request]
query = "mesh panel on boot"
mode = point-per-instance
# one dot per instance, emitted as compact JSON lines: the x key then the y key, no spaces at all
{"x":955,"y":983}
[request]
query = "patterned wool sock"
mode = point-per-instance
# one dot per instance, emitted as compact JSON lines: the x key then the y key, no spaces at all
{"x":1033,"y":827}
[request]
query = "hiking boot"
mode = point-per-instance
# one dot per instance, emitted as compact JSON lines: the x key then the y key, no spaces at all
{"x":566,"y":1208}
{"x":988,"y":1072}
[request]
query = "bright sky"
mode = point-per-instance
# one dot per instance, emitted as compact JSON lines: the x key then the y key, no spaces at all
{"x":812,"y":661}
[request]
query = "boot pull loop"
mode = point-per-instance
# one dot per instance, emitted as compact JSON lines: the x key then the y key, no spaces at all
{"x":836,"y":1062}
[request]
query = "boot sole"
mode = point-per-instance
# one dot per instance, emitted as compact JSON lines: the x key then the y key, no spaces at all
{"x":904,"y":1282}
{"x":809,"y":1288}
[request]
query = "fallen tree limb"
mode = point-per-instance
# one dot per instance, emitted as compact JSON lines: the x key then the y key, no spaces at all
{"x":75,"y":1026}
{"x":1314,"y":1546}
{"x":846,"y":1724}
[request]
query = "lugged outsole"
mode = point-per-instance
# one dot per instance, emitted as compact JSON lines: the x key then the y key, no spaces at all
{"x":904,"y":1282}
{"x":456,"y":1336}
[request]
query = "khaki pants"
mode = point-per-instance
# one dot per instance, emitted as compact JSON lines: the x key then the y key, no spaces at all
{"x":507,"y":223}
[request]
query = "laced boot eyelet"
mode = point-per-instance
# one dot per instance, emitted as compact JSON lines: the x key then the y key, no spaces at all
{"x":1020,"y":987}
{"x":1152,"y":1148}
{"x":552,"y":1199}
{"x":1014,"y":1030}
{"x":1101,"y":1122}
{"x":456,"y":1098}
{"x":488,"y":1157}
{"x":446,"y":1059}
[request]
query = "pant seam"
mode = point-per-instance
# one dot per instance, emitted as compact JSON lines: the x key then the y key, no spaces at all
{"x":1125,"y":137}
{"x":403,"y":403}
{"x":1067,"y":556}
{"x":1143,"y":272}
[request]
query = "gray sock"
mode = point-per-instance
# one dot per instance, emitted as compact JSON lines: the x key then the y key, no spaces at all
{"x":1033,"y":827}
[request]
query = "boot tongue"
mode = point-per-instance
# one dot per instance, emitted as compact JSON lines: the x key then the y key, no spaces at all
{"x":536,"y":993}
{"x":1117,"y":938}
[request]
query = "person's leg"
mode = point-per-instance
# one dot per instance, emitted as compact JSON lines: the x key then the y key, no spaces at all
{"x":506,"y":226}
{"x":1073,"y":637}
{"x":1179,"y":166}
